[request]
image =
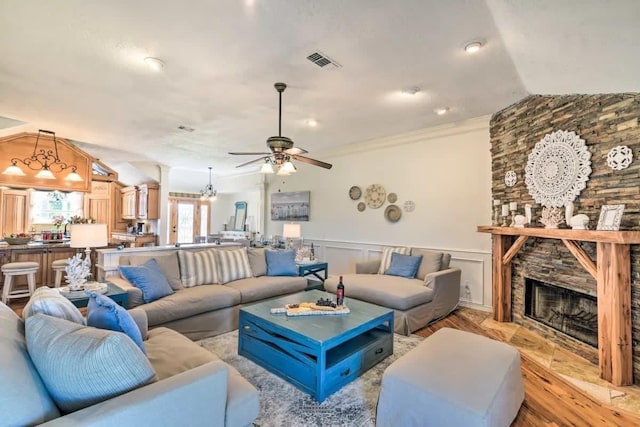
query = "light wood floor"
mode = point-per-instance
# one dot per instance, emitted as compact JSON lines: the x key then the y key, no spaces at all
{"x":549,"y":399}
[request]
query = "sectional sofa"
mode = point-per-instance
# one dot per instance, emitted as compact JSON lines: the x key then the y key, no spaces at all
{"x":209,"y":288}
{"x":430,"y":293}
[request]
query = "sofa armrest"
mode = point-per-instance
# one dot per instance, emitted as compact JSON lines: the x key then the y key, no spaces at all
{"x":368,"y":267}
{"x":196,"y":397}
{"x":134,"y":295}
{"x":140,"y":317}
{"x":446,"y":290}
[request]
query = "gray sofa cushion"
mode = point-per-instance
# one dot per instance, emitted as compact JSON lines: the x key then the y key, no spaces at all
{"x":171,"y":353}
{"x":168,"y":263}
{"x":189,"y":302}
{"x":431,"y":262}
{"x":259,"y":288}
{"x":393,"y":292}
{"x":24,"y":400}
{"x":258,"y":261}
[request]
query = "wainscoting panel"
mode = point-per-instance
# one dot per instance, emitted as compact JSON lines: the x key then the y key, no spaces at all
{"x":475,"y":286}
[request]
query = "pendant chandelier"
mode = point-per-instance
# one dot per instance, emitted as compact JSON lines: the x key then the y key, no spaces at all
{"x":45,"y":161}
{"x":208,"y":192}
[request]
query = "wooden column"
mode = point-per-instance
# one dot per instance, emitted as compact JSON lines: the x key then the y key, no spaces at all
{"x":615,"y":354}
{"x":501,"y":279}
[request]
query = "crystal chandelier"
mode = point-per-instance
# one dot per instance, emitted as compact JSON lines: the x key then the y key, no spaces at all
{"x":208,"y":192}
{"x":45,"y":161}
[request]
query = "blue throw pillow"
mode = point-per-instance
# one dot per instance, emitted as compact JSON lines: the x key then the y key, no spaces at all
{"x":404,"y":265}
{"x":104,"y":313}
{"x":148,"y":278}
{"x":281,"y":263}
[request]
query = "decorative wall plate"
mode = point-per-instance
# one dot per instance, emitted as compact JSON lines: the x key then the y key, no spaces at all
{"x":375,"y":195}
{"x":355,"y":192}
{"x":558,"y":168}
{"x":409,"y":206}
{"x":620,"y":157}
{"x":393,"y":213}
{"x":392,"y":197}
{"x":361,"y":206}
{"x":510,"y":178}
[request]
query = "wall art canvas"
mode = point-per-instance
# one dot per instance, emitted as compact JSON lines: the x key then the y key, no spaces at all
{"x":292,"y":206}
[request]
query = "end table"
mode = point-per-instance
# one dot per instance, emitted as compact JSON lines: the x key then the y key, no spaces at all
{"x":319,"y":270}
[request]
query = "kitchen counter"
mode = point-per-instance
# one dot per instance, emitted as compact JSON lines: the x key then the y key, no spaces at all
{"x":35,"y":245}
{"x":134,"y":239}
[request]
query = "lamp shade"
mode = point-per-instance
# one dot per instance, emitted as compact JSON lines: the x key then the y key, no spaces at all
{"x":291,"y":231}
{"x":88,"y":235}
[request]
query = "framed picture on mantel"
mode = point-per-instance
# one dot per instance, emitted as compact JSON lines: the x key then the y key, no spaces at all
{"x":610,"y":216}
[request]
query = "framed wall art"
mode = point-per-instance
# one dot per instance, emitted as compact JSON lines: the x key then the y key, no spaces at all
{"x":293,"y":206}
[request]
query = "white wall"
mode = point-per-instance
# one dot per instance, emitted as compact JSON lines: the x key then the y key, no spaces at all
{"x":445,"y":171}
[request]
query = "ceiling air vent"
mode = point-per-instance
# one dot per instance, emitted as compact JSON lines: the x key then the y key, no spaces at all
{"x":320,"y":59}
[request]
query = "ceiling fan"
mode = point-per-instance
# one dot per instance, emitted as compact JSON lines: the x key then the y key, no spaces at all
{"x":282,"y":149}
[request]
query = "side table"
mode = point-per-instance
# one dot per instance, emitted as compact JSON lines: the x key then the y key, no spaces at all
{"x":319,"y":270}
{"x":117,"y":294}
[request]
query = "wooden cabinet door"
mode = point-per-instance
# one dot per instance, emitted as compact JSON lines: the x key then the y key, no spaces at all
{"x":142,"y":202}
{"x":118,"y":222}
{"x":129,"y":203}
{"x":14,"y":212}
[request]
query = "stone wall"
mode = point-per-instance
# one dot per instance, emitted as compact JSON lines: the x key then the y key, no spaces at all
{"x":603,"y":121}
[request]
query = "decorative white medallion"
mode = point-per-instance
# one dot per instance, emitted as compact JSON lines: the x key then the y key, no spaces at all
{"x":558,"y":169}
{"x":409,"y":206}
{"x":510,"y":178}
{"x":620,"y":157}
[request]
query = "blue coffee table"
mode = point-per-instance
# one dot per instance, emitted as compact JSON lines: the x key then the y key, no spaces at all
{"x":317,"y":354}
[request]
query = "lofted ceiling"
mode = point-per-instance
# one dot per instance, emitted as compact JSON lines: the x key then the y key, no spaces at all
{"x":77,"y":67}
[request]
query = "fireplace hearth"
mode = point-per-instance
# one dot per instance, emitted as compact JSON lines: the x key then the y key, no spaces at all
{"x":568,"y":311}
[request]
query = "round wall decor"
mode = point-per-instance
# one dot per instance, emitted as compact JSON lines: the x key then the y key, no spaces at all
{"x":374,"y":196}
{"x":361,"y":207}
{"x":392,"y":197}
{"x":620,"y":157}
{"x":558,"y":168}
{"x":409,"y":206}
{"x":393,"y":213}
{"x":355,"y":192}
{"x":510,"y":178}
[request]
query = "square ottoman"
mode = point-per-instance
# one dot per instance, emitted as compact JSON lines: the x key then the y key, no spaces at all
{"x":453,"y":378}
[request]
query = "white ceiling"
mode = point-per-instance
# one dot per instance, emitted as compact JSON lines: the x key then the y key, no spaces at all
{"x":76,"y":67}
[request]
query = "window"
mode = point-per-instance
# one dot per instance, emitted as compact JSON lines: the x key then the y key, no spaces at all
{"x":45,"y":205}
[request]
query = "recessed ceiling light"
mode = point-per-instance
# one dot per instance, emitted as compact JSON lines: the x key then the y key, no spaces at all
{"x":441,"y":111}
{"x":473,"y":47}
{"x":411,"y":90}
{"x":311,"y":123}
{"x":154,"y":63}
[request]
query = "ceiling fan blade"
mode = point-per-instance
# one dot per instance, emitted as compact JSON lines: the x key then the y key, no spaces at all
{"x":252,"y":161}
{"x":295,"y":150}
{"x":249,"y":154}
{"x":312,"y":161}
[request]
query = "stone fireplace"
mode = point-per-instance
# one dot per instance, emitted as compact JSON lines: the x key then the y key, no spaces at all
{"x":565,"y":310}
{"x":604,"y":121}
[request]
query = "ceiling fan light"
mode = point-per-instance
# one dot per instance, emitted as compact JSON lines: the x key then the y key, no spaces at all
{"x":266,"y":168}
{"x":74,"y":177}
{"x":282,"y":172}
{"x":45,"y":174}
{"x":288,"y":167}
{"x":14,"y":170}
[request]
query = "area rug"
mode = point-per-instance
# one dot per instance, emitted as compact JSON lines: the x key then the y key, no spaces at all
{"x":282,"y":404}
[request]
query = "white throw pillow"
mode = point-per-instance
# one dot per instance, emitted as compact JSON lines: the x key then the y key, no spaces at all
{"x":198,"y":268}
{"x":233,"y":265}
{"x":49,"y":301}
{"x":386,"y":257}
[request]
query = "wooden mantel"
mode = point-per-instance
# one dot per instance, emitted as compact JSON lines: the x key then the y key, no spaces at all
{"x":612,"y":271}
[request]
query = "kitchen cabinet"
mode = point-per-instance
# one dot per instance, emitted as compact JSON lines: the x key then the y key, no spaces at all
{"x":14,"y":211}
{"x":103,"y":204}
{"x":129,"y":202}
{"x":148,"y":201}
{"x":119,"y":223}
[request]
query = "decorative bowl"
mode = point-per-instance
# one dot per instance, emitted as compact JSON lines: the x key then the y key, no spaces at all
{"x":17,"y":240}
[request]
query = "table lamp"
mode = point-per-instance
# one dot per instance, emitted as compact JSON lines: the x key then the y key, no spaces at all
{"x":88,"y":236}
{"x":289,"y":232}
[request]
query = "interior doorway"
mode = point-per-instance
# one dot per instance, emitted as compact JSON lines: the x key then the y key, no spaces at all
{"x":188,"y":219}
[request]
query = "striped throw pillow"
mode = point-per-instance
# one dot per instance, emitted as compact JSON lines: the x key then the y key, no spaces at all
{"x":385,"y":263}
{"x":198,"y":268}
{"x":49,"y":301}
{"x":233,"y":265}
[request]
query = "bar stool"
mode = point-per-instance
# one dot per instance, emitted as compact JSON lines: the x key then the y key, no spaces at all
{"x":18,"y":269}
{"x":59,"y":266}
